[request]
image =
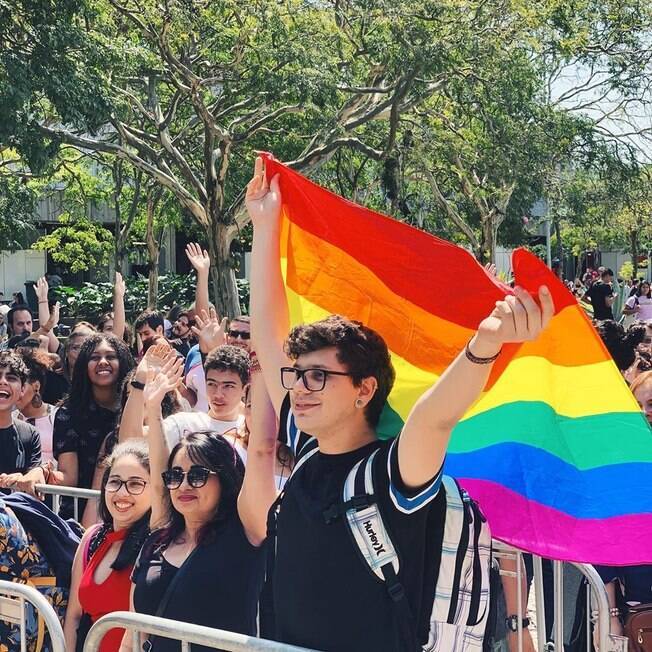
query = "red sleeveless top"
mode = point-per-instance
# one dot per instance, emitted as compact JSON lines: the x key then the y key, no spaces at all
{"x":97,"y":600}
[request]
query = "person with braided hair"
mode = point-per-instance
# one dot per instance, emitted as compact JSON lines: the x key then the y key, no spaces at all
{"x":107,"y":553}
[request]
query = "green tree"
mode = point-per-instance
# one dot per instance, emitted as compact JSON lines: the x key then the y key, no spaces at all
{"x":17,"y":209}
{"x":78,"y":243}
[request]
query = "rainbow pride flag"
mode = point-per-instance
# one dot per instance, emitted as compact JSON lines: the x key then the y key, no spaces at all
{"x":556,"y":449}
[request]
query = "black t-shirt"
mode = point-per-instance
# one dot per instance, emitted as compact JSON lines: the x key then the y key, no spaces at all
{"x":325,"y":595}
{"x":636,"y":581}
{"x":82,"y":435}
{"x":220,"y":587}
{"x":20,"y":448}
{"x":598,"y":294}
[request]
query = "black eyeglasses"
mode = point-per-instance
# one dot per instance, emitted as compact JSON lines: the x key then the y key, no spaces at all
{"x":243,"y":335}
{"x":197,"y":476}
{"x":134,"y":486}
{"x":314,"y":380}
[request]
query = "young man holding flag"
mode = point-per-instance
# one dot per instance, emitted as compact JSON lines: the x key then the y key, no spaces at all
{"x":331,"y":379}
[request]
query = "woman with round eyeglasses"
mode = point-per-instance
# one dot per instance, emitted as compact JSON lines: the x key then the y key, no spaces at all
{"x":203,"y":562}
{"x":107,"y":553}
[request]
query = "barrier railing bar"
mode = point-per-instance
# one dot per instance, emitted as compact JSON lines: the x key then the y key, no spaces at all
{"x":183,"y":632}
{"x":558,"y":584}
{"x":540,"y":603}
{"x":26,"y":593}
{"x":73,"y":492}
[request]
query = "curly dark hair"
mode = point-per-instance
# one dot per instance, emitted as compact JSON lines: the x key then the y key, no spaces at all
{"x":360,"y":349}
{"x":38,"y":363}
{"x":81,"y":388}
{"x":229,"y":358}
{"x":217,"y":454}
{"x":621,"y":344}
{"x":14,"y":363}
{"x":139,"y":531}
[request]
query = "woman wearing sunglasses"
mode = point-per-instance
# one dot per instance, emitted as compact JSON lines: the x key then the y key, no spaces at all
{"x":204,"y":564}
{"x":105,"y":558}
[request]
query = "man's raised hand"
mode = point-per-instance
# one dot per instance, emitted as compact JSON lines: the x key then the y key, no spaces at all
{"x":160,"y":382}
{"x":198,"y":258}
{"x":119,"y":287}
{"x":517,"y":318}
{"x":41,"y":289}
{"x":263,"y":199}
{"x":210,"y":331}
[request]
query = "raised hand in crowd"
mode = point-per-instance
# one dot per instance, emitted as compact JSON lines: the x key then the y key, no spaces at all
{"x":132,"y":419}
{"x":42,"y":289}
{"x":209,"y":330}
{"x":160,"y":381}
{"x":119,"y":318}
{"x":201,"y":262}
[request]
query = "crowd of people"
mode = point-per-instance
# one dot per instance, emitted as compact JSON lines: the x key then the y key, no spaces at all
{"x":190,"y":425}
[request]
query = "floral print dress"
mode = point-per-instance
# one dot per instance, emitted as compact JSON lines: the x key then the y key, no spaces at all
{"x":21,"y":561}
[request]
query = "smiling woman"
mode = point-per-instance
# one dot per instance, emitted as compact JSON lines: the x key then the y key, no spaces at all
{"x":105,"y":559}
{"x":88,"y":414}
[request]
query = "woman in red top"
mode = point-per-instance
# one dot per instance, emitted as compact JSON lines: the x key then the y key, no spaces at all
{"x":106,"y":555}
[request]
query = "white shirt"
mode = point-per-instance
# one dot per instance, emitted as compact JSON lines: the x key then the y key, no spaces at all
{"x":183,"y":423}
{"x":644,"y":307}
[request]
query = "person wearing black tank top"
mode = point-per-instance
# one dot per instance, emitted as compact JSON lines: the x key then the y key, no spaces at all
{"x":203,"y":562}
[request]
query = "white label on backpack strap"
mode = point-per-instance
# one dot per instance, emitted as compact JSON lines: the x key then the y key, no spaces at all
{"x":367,"y":525}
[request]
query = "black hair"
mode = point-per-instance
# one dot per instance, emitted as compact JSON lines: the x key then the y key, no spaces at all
{"x":151,"y":318}
{"x":81,"y":388}
{"x":607,"y":272}
{"x":229,"y":358}
{"x":37,"y":363}
{"x":621,"y":344}
{"x":10,"y":315}
{"x":139,"y":531}
{"x":12,"y":361}
{"x":217,"y":454}
{"x":23,"y":341}
{"x":649,"y":289}
{"x":361,"y":349}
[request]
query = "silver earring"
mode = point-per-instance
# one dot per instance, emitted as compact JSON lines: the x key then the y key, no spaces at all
{"x":359,"y":403}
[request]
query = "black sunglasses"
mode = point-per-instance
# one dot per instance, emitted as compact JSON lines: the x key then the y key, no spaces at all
{"x":197,"y":476}
{"x":243,"y":335}
{"x":314,"y":379}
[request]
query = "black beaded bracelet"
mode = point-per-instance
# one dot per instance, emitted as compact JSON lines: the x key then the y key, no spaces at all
{"x":475,"y":359}
{"x":136,"y":384}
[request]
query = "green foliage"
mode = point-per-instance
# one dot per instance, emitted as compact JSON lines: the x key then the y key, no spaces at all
{"x":626,"y":270}
{"x":94,"y":299}
{"x":17,"y":207}
{"x":79,"y":243}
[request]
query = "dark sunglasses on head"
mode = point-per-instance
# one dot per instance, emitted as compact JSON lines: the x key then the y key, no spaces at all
{"x":197,"y":476}
{"x":243,"y":335}
{"x":134,"y":486}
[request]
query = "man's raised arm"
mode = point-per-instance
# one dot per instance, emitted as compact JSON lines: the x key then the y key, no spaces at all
{"x":423,"y":442}
{"x":270,"y":320}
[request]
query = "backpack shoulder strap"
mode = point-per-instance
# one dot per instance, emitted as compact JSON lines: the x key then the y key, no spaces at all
{"x":374,"y":544}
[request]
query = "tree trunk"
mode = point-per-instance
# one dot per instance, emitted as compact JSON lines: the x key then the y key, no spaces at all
{"x":489,"y":237}
{"x":633,"y":239}
{"x":560,"y":250}
{"x":153,"y":251}
{"x":225,"y":289}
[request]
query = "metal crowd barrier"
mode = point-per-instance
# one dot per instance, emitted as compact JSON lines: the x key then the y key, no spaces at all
{"x":186,"y":633}
{"x":13,"y":600}
{"x":597,"y":604}
{"x":70,"y":492}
